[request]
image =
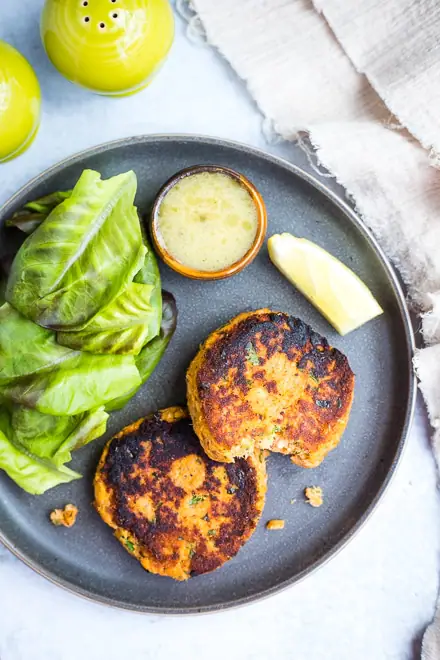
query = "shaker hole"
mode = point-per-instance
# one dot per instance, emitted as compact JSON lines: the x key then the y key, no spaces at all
{"x":102,"y":26}
{"x":86,"y":19}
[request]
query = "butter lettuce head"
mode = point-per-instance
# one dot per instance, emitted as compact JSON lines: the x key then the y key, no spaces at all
{"x":83,"y":327}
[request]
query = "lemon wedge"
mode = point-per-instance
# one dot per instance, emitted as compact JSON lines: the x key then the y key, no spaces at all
{"x":339,"y":294}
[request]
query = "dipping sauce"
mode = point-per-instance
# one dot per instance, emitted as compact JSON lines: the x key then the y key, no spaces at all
{"x":207,"y":221}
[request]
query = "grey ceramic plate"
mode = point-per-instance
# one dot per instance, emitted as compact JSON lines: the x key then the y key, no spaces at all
{"x":87,"y":559}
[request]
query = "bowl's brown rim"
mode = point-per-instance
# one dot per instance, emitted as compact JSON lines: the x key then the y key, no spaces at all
{"x":26,"y":190}
{"x":237,"y":266}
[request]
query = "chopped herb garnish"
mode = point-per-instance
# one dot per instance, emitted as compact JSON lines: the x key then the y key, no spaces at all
{"x":276,"y":429}
{"x":313,"y":376}
{"x":129,"y":545}
{"x":249,"y":383}
{"x":231,"y":490}
{"x":339,"y":403}
{"x":191,"y":553}
{"x":180,"y":538}
{"x":212,"y":532}
{"x":251,"y":355}
{"x":323,"y":404}
{"x":195,"y":499}
{"x":206,"y":517}
{"x":154,"y":475}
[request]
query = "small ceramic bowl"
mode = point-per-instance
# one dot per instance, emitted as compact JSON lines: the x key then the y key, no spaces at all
{"x":234,"y":268}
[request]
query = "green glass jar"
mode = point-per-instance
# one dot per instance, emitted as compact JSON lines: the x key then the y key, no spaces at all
{"x":111,"y":47}
{"x":20,"y":103}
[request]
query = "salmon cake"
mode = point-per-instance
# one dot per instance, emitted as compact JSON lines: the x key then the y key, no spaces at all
{"x":178,"y":512}
{"x":266,"y":380}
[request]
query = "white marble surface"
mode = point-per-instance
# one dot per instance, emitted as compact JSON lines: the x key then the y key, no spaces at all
{"x":372,"y":601}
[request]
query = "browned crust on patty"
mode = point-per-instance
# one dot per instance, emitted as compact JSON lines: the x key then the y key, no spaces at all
{"x":267,"y":380}
{"x":178,"y":512}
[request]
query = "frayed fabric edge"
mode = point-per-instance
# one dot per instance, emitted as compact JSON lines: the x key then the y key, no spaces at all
{"x":382,"y":94}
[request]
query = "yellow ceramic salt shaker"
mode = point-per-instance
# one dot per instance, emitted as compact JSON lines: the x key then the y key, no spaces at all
{"x":20,"y":103}
{"x":112,"y":47}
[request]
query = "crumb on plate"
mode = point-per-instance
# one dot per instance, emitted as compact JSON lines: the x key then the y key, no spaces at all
{"x":314,"y":495}
{"x":275,"y":524}
{"x":292,"y":501}
{"x":64,"y":517}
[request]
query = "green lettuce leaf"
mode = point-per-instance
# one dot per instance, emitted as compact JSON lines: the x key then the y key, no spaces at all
{"x":38,"y":373}
{"x":129,"y":322}
{"x":91,"y":427}
{"x":26,"y":348}
{"x":5,"y":421}
{"x":2,"y":290}
{"x":41,"y":435}
{"x":122,"y":327}
{"x":83,"y":383}
{"x":81,"y":257}
{"x":54,"y":438}
{"x":34,"y":447}
{"x":33,"y":474}
{"x":150,"y":355}
{"x":32,"y":214}
{"x":149,"y":274}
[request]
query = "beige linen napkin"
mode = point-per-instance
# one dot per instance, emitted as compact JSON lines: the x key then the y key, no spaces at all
{"x":396,"y":44}
{"x":362,"y":79}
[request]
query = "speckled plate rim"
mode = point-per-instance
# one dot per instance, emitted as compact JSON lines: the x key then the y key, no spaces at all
{"x":410,"y":348}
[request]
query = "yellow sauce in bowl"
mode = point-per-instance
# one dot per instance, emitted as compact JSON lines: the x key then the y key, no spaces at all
{"x":207,"y":221}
